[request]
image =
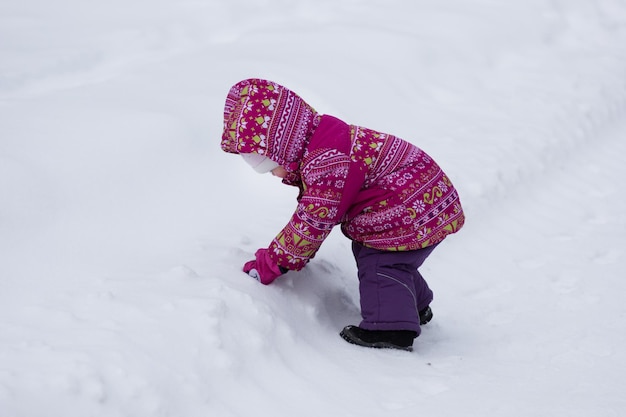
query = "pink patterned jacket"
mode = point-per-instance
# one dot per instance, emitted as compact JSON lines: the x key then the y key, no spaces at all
{"x":384,"y":192}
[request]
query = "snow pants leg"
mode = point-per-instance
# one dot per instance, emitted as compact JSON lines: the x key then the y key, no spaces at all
{"x":392,"y":289}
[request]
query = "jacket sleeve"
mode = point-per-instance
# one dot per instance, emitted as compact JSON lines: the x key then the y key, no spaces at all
{"x":331,"y":181}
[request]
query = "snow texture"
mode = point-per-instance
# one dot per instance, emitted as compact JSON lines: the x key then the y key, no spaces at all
{"x":123,"y":227}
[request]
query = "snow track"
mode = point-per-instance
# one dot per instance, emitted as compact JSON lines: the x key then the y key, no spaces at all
{"x":538,"y":301}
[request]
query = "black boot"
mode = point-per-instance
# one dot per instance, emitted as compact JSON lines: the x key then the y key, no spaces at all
{"x":426,"y":315}
{"x":392,"y":339}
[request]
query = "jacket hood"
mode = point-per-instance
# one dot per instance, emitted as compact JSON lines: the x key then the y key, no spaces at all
{"x":266,"y":118}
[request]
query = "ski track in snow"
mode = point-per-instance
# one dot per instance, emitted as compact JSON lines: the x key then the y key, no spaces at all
{"x":120,"y":285}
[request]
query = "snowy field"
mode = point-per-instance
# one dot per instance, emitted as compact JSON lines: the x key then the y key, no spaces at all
{"x":123,"y":226}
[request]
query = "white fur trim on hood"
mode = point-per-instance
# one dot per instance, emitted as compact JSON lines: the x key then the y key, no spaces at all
{"x":260,"y":163}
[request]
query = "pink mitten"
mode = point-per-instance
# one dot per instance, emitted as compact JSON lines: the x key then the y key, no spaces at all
{"x":263,"y":269}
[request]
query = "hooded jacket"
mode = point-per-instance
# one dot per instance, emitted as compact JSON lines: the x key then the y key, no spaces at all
{"x":386,"y":193}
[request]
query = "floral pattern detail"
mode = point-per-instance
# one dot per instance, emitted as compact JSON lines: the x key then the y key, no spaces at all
{"x":266,"y":118}
{"x":366,"y":145}
{"x":384,"y":192}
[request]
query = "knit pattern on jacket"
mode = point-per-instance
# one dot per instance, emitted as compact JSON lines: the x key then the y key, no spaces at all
{"x":384,"y":192}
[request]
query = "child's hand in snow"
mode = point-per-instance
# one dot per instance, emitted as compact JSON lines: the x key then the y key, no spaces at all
{"x":263,"y":269}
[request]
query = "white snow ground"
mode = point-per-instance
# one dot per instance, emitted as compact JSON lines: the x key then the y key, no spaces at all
{"x":123,"y":227}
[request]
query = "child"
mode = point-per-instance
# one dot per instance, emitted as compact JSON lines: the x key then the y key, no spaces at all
{"x":391,"y":199}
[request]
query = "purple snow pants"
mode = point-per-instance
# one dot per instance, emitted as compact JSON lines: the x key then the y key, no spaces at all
{"x":392,"y":290}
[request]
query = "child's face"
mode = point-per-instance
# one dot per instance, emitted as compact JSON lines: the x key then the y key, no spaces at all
{"x":279,"y":172}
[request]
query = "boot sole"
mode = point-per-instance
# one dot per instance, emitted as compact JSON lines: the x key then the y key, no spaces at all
{"x":349,"y":336}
